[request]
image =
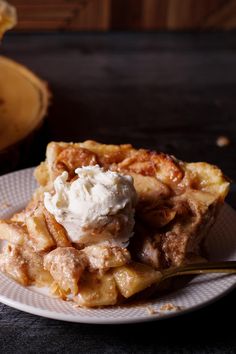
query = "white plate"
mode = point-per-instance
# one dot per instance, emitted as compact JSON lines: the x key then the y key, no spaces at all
{"x":16,"y":189}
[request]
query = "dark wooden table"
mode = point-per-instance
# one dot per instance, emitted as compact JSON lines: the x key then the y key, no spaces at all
{"x":172,"y":92}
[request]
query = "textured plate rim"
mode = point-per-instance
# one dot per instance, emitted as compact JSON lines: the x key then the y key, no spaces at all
{"x":88,"y":320}
{"x":95,"y":320}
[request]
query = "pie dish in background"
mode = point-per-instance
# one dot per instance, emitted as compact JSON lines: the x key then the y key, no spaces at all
{"x":24,"y":99}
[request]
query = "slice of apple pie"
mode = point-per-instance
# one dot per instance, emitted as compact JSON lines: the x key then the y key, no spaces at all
{"x":107,"y":219}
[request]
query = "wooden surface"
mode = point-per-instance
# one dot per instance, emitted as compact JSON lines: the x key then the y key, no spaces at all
{"x":125,"y":14}
{"x":172,"y":92}
{"x":63,"y":14}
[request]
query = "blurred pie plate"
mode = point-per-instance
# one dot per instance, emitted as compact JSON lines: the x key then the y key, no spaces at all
{"x":24,"y":101}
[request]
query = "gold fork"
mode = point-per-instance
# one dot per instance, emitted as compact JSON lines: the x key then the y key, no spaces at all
{"x":228,"y":267}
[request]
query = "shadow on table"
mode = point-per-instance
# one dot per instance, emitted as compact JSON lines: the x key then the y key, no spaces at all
{"x":208,"y":330}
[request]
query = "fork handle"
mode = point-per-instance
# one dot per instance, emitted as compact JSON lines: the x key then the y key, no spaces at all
{"x":228,"y":267}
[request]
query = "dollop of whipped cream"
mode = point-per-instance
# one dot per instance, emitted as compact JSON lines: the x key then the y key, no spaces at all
{"x":97,"y":207}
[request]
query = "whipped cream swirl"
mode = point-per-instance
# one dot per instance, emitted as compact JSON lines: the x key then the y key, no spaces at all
{"x":97,"y":207}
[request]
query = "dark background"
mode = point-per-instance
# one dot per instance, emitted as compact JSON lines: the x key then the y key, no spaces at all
{"x":165,"y":91}
{"x":170,"y":92}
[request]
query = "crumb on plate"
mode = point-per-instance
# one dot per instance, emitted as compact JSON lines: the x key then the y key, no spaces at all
{"x":222,"y":141}
{"x":5,"y":205}
{"x":170,"y":307}
{"x":151,"y":310}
